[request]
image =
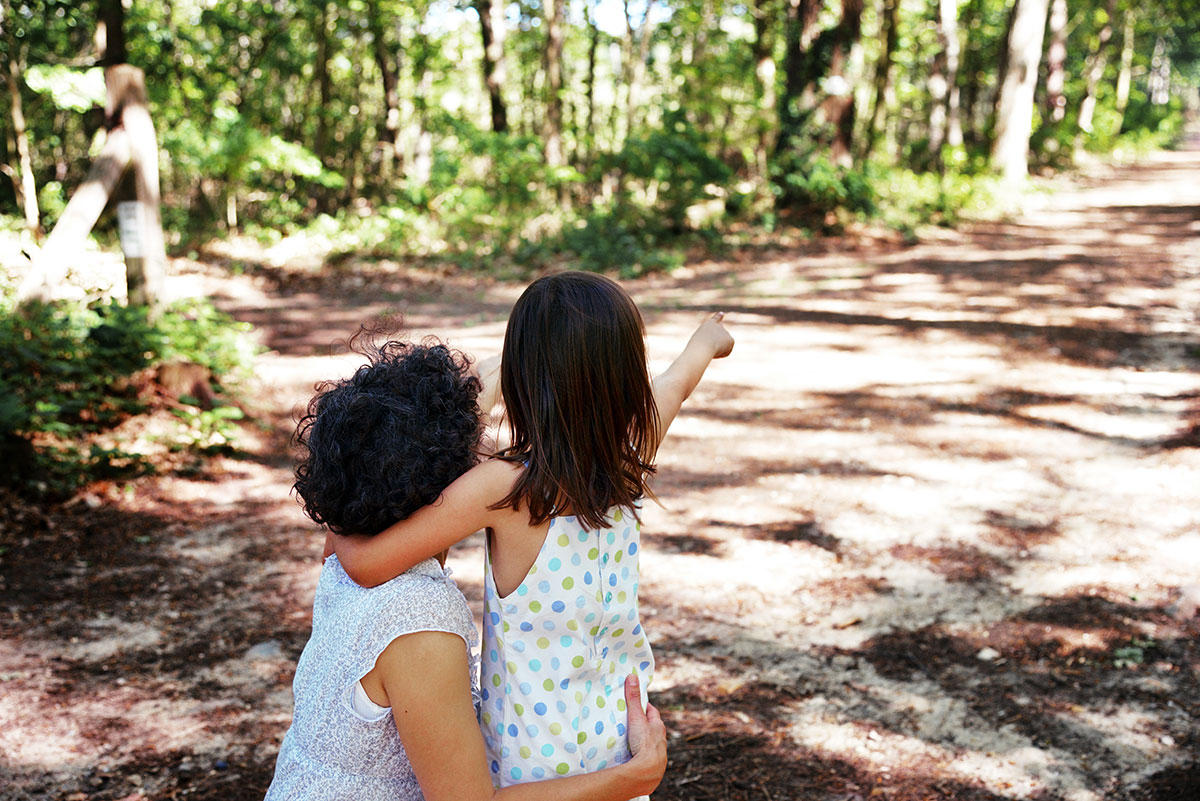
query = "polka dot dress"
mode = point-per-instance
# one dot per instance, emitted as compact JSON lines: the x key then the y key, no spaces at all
{"x":556,"y":652}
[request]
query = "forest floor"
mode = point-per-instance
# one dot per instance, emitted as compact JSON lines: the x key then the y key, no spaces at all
{"x":927,"y":533}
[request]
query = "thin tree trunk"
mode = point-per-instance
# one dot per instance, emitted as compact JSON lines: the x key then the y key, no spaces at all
{"x":388,"y":143}
{"x":26,"y":188}
{"x":589,"y":128}
{"x":799,"y":30}
{"x":764,"y":82}
{"x":948,"y":30}
{"x":1056,"y":57}
{"x":636,"y":65}
{"x":552,"y":61}
{"x":110,"y":33}
{"x":883,"y":72}
{"x":493,"y":62}
{"x":1014,"y":117}
{"x":1093,"y":71}
{"x":324,"y":84}
{"x":839,"y":108}
{"x":1125,"y":76}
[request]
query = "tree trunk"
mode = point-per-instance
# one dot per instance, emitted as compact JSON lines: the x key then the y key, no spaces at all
{"x":1014,"y":115}
{"x":764,"y":81}
{"x":493,"y":62}
{"x":1056,"y":57}
{"x":948,"y":31}
{"x":838,"y":108}
{"x":1125,"y":76}
{"x":1093,"y":71}
{"x":552,"y":61}
{"x":388,"y":144}
{"x":589,"y":127}
{"x":324,"y":84}
{"x":883,"y":72}
{"x":110,"y":33}
{"x":636,"y":65}
{"x":26,"y":188}
{"x":799,"y":30}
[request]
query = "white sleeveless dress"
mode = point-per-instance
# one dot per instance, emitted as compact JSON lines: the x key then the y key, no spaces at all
{"x":332,"y":752}
{"x":556,"y":652}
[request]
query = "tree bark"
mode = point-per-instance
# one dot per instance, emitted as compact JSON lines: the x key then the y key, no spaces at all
{"x":493,"y":62}
{"x":883,"y":72}
{"x":1014,"y":115}
{"x":552,"y":61}
{"x":764,"y":81}
{"x":1093,"y":71}
{"x":635,"y":67}
{"x":1125,"y":76}
{"x":839,"y":107}
{"x":110,"y":33}
{"x":948,"y":31}
{"x":389,"y":144}
{"x":1056,"y":57}
{"x":799,"y":30}
{"x":26,"y":187}
{"x":324,"y":84}
{"x":589,"y":127}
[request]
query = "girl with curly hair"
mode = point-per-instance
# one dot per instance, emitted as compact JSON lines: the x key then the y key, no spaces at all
{"x":561,"y":506}
{"x":386,"y":701}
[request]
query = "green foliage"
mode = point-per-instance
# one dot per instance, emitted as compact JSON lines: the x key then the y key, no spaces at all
{"x":68,"y":371}
{"x":812,"y":186}
{"x":68,"y":88}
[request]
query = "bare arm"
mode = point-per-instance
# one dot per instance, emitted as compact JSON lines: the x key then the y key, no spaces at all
{"x":671,"y":388}
{"x":436,"y":721}
{"x":461,"y":511}
{"x":488,"y":371}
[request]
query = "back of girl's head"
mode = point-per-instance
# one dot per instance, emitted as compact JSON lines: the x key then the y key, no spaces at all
{"x":383,"y":443}
{"x":579,"y":401}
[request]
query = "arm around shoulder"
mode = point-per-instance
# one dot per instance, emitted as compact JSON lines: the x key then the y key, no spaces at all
{"x":462,"y":509}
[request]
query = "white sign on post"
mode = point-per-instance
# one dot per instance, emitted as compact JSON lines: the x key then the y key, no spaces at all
{"x":129,"y":222}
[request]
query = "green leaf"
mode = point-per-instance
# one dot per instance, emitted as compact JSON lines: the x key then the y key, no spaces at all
{"x":68,"y":88}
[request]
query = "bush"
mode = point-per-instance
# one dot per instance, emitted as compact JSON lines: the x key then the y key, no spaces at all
{"x":67,"y":372}
{"x":812,"y":186}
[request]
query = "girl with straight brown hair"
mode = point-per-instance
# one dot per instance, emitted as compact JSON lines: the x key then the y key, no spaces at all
{"x":562,"y":506}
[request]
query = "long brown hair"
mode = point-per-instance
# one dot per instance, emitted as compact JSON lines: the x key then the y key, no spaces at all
{"x":580,"y":404}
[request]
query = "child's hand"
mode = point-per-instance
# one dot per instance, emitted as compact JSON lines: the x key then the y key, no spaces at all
{"x":712,"y":331}
{"x":647,"y":737}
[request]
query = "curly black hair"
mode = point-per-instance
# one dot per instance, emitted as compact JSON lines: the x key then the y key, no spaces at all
{"x":383,"y":443}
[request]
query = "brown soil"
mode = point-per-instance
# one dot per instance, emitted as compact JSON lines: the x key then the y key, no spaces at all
{"x":927,"y":534}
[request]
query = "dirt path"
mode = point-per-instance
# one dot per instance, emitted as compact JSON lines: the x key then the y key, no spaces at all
{"x":922,"y":536}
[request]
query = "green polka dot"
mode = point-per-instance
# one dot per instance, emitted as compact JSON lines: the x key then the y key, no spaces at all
{"x":512,"y":667}
{"x":612,"y":741}
{"x":533,"y":570}
{"x":563,"y":539}
{"x":556,"y":728}
{"x":535,"y":606}
{"x":581,"y":738}
{"x":542,"y":642}
{"x":520,"y":709}
{"x":505,"y":626}
{"x":618,"y":556}
{"x":621,"y":704}
{"x":640,"y":643}
{"x":573,"y":624}
{"x":600,"y":701}
{"x":487,"y":718}
{"x":618,"y":633}
{"x":617,"y":516}
{"x":594,"y":630}
{"x":526,"y":751}
{"x":577,"y":661}
{"x":621,"y":596}
{"x":548,"y":684}
{"x":495,"y":679}
{"x":562,"y":768}
{"x":593,"y":553}
{"x":568,"y":583}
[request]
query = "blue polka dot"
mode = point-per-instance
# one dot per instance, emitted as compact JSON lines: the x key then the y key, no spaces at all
{"x":569,"y":747}
{"x":587,"y":577}
{"x":518,"y":646}
{"x":515,"y":773}
{"x":564,"y":683}
{"x":544,"y":586}
{"x":621,"y":728}
{"x":526,"y":688}
{"x":527,"y":626}
{"x":583,"y":536}
{"x":547,"y":750}
{"x":495,"y":618}
{"x":576,"y":560}
{"x":535,"y":664}
{"x":643,"y":666}
{"x":554,"y":663}
{"x":591,"y":754}
{"x":637,"y":629}
{"x":624,"y":572}
{"x":485,"y":693}
{"x":612,"y":537}
{"x":551,"y":520}
{"x":580,"y":602}
{"x":632,"y":548}
{"x":626,"y":533}
{"x":531,"y":730}
{"x":612,"y":579}
{"x":591,"y":616}
{"x":603,"y":764}
{"x":560,"y":706}
{"x":539,"y":708}
{"x":555,"y":563}
{"x":522,"y":590}
{"x":539,"y":773}
{"x":624,"y":658}
{"x":599,"y":727}
{"x":632,"y":614}
{"x":495,"y":656}
{"x":558,"y":606}
{"x":511,"y":609}
{"x":548,"y":625}
{"x":512,"y":730}
{"x":504,"y":752}
{"x":495,"y":766}
{"x":564,"y":641}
